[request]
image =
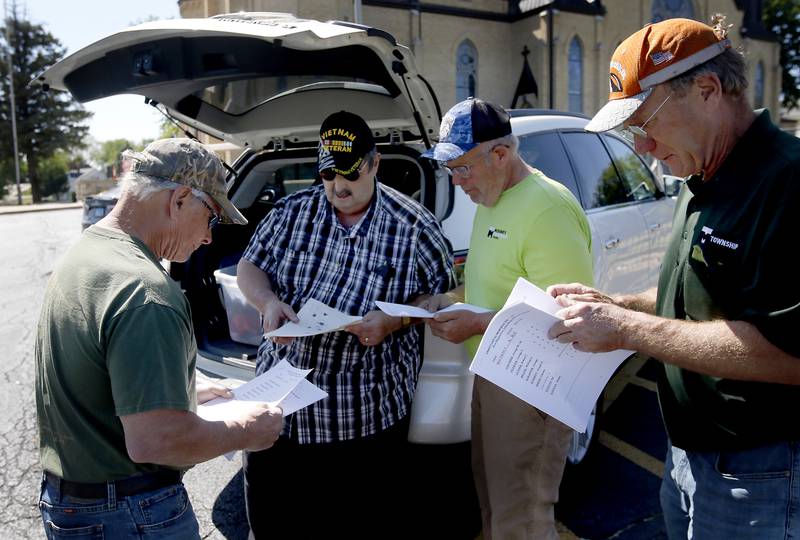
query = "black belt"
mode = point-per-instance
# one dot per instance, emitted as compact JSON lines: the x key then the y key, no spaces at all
{"x":123,"y":488}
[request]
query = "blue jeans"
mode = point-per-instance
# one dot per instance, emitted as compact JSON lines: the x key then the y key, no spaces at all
{"x":164,"y":513}
{"x":749,"y":494}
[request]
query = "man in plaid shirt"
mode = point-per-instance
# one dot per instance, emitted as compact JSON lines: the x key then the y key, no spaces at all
{"x":346,"y":243}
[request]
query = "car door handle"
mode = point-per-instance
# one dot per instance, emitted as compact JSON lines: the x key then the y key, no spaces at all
{"x":612,"y":243}
{"x":655,"y":226}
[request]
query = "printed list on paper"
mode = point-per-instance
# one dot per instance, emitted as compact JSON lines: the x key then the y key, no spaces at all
{"x":516,"y":354}
{"x":283,"y":385}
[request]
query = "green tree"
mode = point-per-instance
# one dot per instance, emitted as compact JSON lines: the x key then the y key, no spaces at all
{"x":610,"y":189}
{"x":47,"y":121}
{"x":169,"y":130}
{"x":8,"y":175}
{"x":783,"y":18}
{"x":108,"y":153}
{"x":53,"y":173}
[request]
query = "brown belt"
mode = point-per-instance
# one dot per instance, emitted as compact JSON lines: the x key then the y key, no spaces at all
{"x":133,"y":485}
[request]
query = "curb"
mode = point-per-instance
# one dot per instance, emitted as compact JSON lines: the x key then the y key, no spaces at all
{"x":26,"y":208}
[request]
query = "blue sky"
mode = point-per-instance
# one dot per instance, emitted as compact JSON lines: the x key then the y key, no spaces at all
{"x":77,"y":23}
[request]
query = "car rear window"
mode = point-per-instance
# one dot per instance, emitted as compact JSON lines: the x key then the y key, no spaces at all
{"x":295,"y":177}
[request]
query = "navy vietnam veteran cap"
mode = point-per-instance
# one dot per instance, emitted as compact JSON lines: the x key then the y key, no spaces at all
{"x":344,"y":140}
{"x":466,"y":125}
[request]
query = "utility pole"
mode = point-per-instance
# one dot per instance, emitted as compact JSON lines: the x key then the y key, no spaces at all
{"x":550,"y":59}
{"x":13,"y":107}
{"x":357,"y":11}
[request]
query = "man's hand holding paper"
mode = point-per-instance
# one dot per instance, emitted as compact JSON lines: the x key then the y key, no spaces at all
{"x":457,"y":325}
{"x":451,"y":321}
{"x":263,"y":421}
{"x":275,"y":314}
{"x":374,"y":327}
{"x":590,"y":319}
{"x":208,"y":389}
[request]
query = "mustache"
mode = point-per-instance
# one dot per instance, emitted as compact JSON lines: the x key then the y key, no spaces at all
{"x":343,"y":193}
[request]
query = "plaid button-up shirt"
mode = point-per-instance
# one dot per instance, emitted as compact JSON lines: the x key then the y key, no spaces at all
{"x":396,"y":252}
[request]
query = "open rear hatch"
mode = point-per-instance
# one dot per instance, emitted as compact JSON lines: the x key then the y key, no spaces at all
{"x":259,"y":78}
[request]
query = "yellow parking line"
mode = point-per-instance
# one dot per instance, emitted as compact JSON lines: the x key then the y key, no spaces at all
{"x":644,"y":383}
{"x":621,"y":379}
{"x":631,"y":453}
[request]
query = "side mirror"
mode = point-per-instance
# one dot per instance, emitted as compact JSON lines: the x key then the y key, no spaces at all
{"x":672,"y":184}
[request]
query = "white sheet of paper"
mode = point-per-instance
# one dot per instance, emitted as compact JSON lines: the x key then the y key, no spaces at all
{"x":405,"y":310}
{"x":315,"y":318}
{"x":303,"y":395}
{"x":525,"y":291}
{"x":275,"y":386}
{"x":516,"y":354}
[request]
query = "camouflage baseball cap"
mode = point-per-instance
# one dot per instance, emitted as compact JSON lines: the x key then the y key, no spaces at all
{"x":186,"y":161}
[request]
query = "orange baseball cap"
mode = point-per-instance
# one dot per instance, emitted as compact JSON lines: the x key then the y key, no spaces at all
{"x":653,"y":55}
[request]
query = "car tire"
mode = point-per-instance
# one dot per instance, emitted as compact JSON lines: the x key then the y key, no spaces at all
{"x":582,"y":444}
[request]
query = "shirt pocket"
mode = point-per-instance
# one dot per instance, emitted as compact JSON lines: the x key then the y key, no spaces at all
{"x":697,"y":300}
{"x":372,"y":280}
{"x":298,"y":272}
{"x":711,"y":282}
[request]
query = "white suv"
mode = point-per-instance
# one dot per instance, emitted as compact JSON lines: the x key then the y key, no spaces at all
{"x":266,"y":81}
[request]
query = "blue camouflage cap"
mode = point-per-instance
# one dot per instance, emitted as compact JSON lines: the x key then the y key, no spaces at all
{"x":466,"y":125}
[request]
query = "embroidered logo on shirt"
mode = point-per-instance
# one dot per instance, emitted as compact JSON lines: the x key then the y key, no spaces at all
{"x":497,"y":233}
{"x":708,"y":234}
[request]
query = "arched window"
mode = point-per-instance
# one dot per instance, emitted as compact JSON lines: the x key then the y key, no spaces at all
{"x":575,"y":60}
{"x":466,"y":71}
{"x":670,"y":9}
{"x":758,"y":86}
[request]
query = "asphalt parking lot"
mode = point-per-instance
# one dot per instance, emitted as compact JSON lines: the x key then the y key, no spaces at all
{"x":614,"y":494}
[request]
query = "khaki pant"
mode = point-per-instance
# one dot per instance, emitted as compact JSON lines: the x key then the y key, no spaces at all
{"x":518,"y":457}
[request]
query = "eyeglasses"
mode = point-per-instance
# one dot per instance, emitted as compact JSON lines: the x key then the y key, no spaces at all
{"x":631,"y":132}
{"x":214,"y":218}
{"x":465,"y":171}
{"x":329,"y":174}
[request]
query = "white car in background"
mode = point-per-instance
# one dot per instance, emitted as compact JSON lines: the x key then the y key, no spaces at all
{"x":264,"y":82}
{"x":97,"y":206}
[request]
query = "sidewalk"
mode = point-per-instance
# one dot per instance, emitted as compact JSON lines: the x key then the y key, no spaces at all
{"x":41,"y":207}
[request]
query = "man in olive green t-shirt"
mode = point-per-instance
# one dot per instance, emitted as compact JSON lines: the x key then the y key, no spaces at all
{"x":115,"y":359}
{"x":529,"y":226}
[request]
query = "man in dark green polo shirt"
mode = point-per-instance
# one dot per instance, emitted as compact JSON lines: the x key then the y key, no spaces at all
{"x":724,"y":319}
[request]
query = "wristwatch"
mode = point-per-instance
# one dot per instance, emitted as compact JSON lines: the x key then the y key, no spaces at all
{"x":405,"y":321}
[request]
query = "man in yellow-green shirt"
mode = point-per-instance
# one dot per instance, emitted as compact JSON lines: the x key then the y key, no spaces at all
{"x":530,"y":226}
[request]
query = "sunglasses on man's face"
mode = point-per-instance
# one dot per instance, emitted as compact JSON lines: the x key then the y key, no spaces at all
{"x":329,"y":174}
{"x":213,"y":218}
